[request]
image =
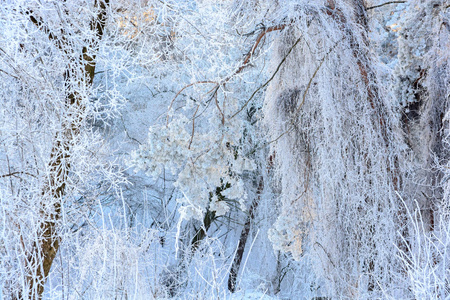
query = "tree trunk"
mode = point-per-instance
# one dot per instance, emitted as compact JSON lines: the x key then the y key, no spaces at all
{"x":243,"y":239}
{"x":43,"y":252}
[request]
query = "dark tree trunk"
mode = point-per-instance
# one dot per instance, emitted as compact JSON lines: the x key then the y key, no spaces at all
{"x":243,"y":239}
{"x":43,"y":252}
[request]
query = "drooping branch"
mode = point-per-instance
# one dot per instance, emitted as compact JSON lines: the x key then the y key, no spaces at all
{"x":366,"y":72}
{"x":269,"y":80}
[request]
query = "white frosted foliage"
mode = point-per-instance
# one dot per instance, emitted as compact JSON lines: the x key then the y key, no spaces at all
{"x":201,"y":163}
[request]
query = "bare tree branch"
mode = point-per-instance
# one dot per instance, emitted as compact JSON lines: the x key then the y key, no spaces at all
{"x":270,"y":79}
{"x":15,"y":173}
{"x":386,"y":3}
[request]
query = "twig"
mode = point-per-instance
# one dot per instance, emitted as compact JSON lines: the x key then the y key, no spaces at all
{"x":18,"y":172}
{"x":386,"y":3}
{"x":279,"y":137}
{"x":314,"y":75}
{"x":303,"y":100}
{"x":244,"y":64}
{"x":193,"y":127}
{"x":126,"y":132}
{"x":179,"y":92}
{"x":270,"y":79}
{"x":3,"y":71}
{"x":326,"y":252}
{"x":258,"y":40}
{"x":218,"y":107}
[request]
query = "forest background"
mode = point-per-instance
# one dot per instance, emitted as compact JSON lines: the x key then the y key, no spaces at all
{"x":200,"y":149}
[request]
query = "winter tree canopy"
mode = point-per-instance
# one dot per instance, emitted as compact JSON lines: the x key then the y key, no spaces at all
{"x":226,"y":149}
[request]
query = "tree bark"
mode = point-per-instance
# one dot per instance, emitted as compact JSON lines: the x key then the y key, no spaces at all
{"x":243,"y":239}
{"x":43,"y":252}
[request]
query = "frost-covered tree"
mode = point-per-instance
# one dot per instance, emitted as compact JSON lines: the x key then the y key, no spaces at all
{"x":196,"y":148}
{"x":348,"y":148}
{"x":339,"y":152}
{"x":207,"y":140}
{"x":422,"y":81}
{"x":50,"y":148}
